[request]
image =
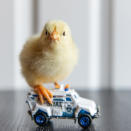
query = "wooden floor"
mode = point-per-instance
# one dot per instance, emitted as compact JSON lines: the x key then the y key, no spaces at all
{"x":115,"y":113}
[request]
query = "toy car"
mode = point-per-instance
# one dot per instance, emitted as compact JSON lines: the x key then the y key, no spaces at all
{"x":66,"y":104}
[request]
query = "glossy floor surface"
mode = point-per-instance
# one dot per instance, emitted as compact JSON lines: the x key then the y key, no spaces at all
{"x":115,"y":113}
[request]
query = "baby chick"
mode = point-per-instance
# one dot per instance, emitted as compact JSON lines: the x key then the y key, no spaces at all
{"x":48,"y":58}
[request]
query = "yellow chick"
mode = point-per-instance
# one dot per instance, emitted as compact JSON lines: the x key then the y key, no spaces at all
{"x":48,"y":58}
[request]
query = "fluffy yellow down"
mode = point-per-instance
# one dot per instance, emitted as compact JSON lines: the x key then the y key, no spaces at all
{"x":46,"y":61}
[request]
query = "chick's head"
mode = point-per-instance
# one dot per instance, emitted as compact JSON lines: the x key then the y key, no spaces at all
{"x":56,"y":34}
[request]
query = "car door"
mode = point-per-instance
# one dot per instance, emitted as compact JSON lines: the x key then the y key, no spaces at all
{"x":69,"y":108}
{"x":57,"y":108}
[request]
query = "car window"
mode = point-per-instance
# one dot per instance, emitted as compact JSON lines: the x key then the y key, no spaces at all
{"x":68,"y":99}
{"x":68,"y":95}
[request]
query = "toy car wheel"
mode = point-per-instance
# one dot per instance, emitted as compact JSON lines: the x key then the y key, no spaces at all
{"x":40,"y":119}
{"x":84,"y":121}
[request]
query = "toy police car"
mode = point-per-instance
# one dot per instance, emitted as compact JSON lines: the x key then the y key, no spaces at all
{"x":66,"y":104}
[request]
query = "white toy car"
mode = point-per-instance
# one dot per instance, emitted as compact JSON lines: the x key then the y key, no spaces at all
{"x":66,"y":104}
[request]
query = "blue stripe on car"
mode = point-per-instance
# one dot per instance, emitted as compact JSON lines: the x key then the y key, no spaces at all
{"x":68,"y":99}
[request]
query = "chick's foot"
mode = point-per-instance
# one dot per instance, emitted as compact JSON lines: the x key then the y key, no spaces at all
{"x":43,"y":92}
{"x":67,"y":86}
{"x":57,"y":86}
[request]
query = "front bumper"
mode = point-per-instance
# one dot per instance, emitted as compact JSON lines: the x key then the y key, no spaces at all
{"x":97,"y":114}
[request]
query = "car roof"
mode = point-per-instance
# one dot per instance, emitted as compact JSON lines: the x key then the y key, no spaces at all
{"x":62,"y":93}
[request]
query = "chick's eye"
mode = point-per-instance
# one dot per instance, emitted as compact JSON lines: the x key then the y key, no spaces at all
{"x":46,"y":32}
{"x":63,"y":33}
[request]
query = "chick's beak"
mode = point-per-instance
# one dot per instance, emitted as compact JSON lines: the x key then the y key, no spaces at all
{"x":54,"y":35}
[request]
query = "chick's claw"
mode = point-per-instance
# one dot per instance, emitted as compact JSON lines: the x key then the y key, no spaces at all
{"x":43,"y":92}
{"x":40,"y":97}
{"x":49,"y":93}
{"x":57,"y":86}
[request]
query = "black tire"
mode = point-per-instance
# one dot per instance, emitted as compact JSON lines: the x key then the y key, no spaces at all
{"x":85,"y":120}
{"x":40,"y":118}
